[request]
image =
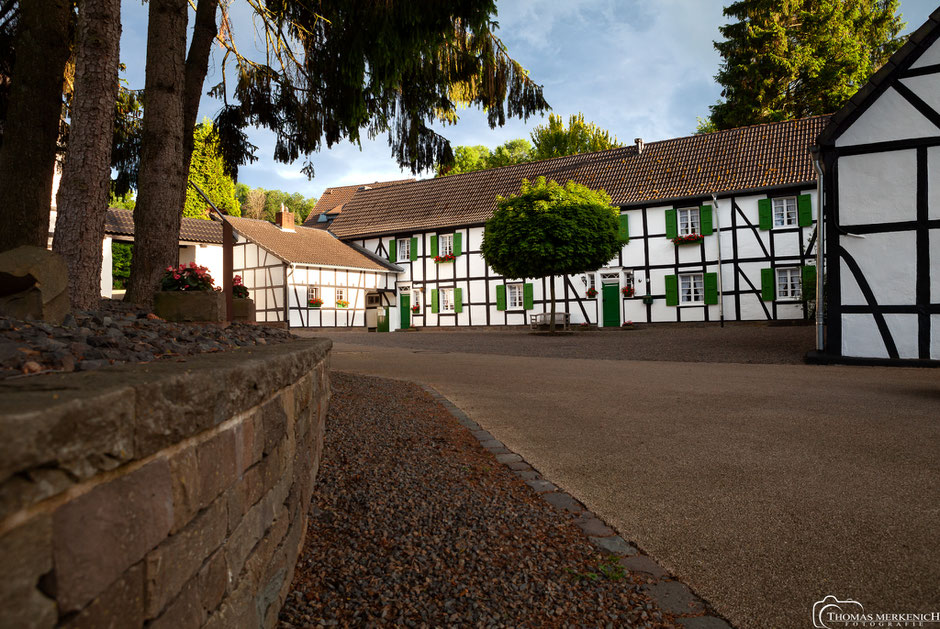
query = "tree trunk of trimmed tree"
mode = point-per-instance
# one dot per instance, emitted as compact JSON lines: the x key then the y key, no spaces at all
{"x":162,"y":177}
{"x":31,"y":130}
{"x":83,"y":191}
{"x":551,"y":324}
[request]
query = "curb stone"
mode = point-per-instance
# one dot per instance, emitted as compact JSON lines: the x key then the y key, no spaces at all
{"x":671,"y":595}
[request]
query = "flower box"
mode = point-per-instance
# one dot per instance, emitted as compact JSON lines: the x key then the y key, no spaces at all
{"x":691,"y":239}
{"x":627,"y":291}
{"x":243,"y":309}
{"x":314,"y":303}
{"x":195,"y":305}
{"x":447,"y":258}
{"x":341,"y":304}
{"x":591,"y":293}
{"x":416,"y":309}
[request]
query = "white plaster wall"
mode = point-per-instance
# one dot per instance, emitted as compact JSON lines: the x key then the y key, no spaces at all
{"x":930,"y":57}
{"x":903,"y":329}
{"x":878,"y":188}
{"x":107,"y":263}
{"x":935,"y":337}
{"x":888,"y":262}
{"x":210,"y":256}
{"x":933,"y":183}
{"x":926,"y":87}
{"x":934,"y":239}
{"x":861,"y":338}
{"x":889,"y":118}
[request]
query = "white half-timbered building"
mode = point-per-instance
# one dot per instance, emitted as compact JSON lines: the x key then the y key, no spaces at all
{"x":746,"y":198}
{"x":881,"y":161}
{"x":308,"y":278}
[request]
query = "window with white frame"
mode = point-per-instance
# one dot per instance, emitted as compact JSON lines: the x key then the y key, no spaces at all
{"x":445,"y":245}
{"x":689,"y":222}
{"x":514,"y":296}
{"x":447,"y":300}
{"x":628,"y":281}
{"x":404,"y":249}
{"x":313,"y":292}
{"x":785,"y":212}
{"x":789,"y":283}
{"x":340,"y":294}
{"x":692,"y":288}
{"x":588,"y":279}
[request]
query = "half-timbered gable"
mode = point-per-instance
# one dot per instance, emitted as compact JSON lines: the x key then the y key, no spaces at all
{"x":881,"y":160}
{"x":718,"y":224}
{"x":309,"y":278}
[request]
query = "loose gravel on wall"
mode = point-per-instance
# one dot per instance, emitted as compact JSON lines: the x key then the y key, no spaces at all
{"x":414,"y":524}
{"x":116,"y":333}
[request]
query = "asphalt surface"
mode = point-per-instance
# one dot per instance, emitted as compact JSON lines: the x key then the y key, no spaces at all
{"x":765,"y":487}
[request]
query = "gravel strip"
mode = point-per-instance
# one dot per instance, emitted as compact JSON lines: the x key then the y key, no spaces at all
{"x":414,"y":524}
{"x":116,"y":333}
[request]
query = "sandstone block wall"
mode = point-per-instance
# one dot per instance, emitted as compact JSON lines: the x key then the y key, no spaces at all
{"x":168,"y":495}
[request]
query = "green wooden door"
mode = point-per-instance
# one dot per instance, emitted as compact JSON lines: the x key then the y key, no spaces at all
{"x":611,"y":295}
{"x":404,"y":303}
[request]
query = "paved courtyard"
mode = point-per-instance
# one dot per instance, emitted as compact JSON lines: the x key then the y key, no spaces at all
{"x":763,"y":483}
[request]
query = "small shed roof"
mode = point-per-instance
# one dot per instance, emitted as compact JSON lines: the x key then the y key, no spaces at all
{"x":120,"y":222}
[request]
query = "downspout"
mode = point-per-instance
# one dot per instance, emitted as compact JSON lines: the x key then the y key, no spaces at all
{"x":820,"y":232}
{"x":721,"y":294}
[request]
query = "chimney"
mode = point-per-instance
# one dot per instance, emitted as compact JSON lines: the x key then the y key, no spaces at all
{"x":285,"y":219}
{"x":639,"y":145}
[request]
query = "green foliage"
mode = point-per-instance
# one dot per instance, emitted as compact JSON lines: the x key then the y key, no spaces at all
{"x":785,"y":60}
{"x":121,"y":255}
{"x":470,"y":158}
{"x":335,"y":68}
{"x":554,"y":140}
{"x":125,"y":202}
{"x":549,"y":229}
{"x":207,"y":170}
{"x":265,"y":204}
{"x":704,"y":126}
{"x":188,"y":277}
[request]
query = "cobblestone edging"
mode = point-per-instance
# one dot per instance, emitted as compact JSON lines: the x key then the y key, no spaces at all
{"x":161,"y":495}
{"x":670,"y":594}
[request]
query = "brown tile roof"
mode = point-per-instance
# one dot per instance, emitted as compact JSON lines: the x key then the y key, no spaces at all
{"x":332,"y":199}
{"x":738,"y":159}
{"x":308,"y":246}
{"x":120,"y":222}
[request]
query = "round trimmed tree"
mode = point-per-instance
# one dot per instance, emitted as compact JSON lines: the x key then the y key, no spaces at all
{"x":549,"y":229}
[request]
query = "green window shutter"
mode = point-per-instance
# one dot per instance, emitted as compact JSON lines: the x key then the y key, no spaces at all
{"x":391,"y":250}
{"x":434,"y":302}
{"x":501,"y":297}
{"x":527,"y":296}
{"x":434,"y":247}
{"x":414,"y":249}
{"x":804,"y":210}
{"x":672,"y":289}
{"x":458,"y":300}
{"x":768,"y":286}
{"x":765,"y":214}
{"x":624,"y":228}
{"x":672,"y":224}
{"x":711,"y":288}
{"x":705,"y":220}
{"x":808,"y":278}
{"x":457,"y":243}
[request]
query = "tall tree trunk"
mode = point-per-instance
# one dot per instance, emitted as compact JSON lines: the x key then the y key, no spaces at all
{"x":551,"y":324}
{"x":31,"y":130}
{"x":162,"y":177}
{"x":83,"y":191}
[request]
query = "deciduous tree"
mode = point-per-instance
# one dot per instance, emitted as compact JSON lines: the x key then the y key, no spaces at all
{"x":548,"y":230}
{"x":207,"y":170}
{"x":554,"y":140}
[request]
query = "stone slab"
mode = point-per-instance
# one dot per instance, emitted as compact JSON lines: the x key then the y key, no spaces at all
{"x":614,"y":545}
{"x":644,"y":564}
{"x":675,"y":598}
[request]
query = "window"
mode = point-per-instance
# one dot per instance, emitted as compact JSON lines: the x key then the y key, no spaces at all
{"x":313,"y":292}
{"x":628,"y":279}
{"x":785,"y":212}
{"x":404,"y":249}
{"x":447,"y":300}
{"x":340,"y":294}
{"x":788,"y":283}
{"x":692,"y":288}
{"x":588,"y":279}
{"x":515,"y":296}
{"x":689,"y":221}
{"x":446,"y":245}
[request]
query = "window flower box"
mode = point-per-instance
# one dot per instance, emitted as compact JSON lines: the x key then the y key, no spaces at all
{"x":416,"y":309}
{"x":316,"y":302}
{"x":445,"y":258}
{"x":189,"y":294}
{"x":340,"y":303}
{"x":591,"y":293}
{"x":627,"y":291}
{"x":691,"y":239}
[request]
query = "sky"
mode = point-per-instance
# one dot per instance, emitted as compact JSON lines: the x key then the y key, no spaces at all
{"x":637,"y":68}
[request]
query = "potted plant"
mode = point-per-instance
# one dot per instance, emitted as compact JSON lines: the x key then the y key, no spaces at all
{"x":341,"y":303}
{"x":416,"y":309}
{"x":691,"y":239}
{"x":628,"y":325}
{"x":445,"y":258}
{"x":243,"y":308}
{"x":627,"y":291}
{"x":591,"y":293}
{"x":316,"y":302}
{"x":188,"y":293}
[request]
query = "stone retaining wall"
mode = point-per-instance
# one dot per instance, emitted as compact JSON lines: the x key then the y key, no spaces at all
{"x":172,"y":494}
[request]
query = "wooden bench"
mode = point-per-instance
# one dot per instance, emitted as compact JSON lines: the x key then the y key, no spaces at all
{"x":542,"y":320}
